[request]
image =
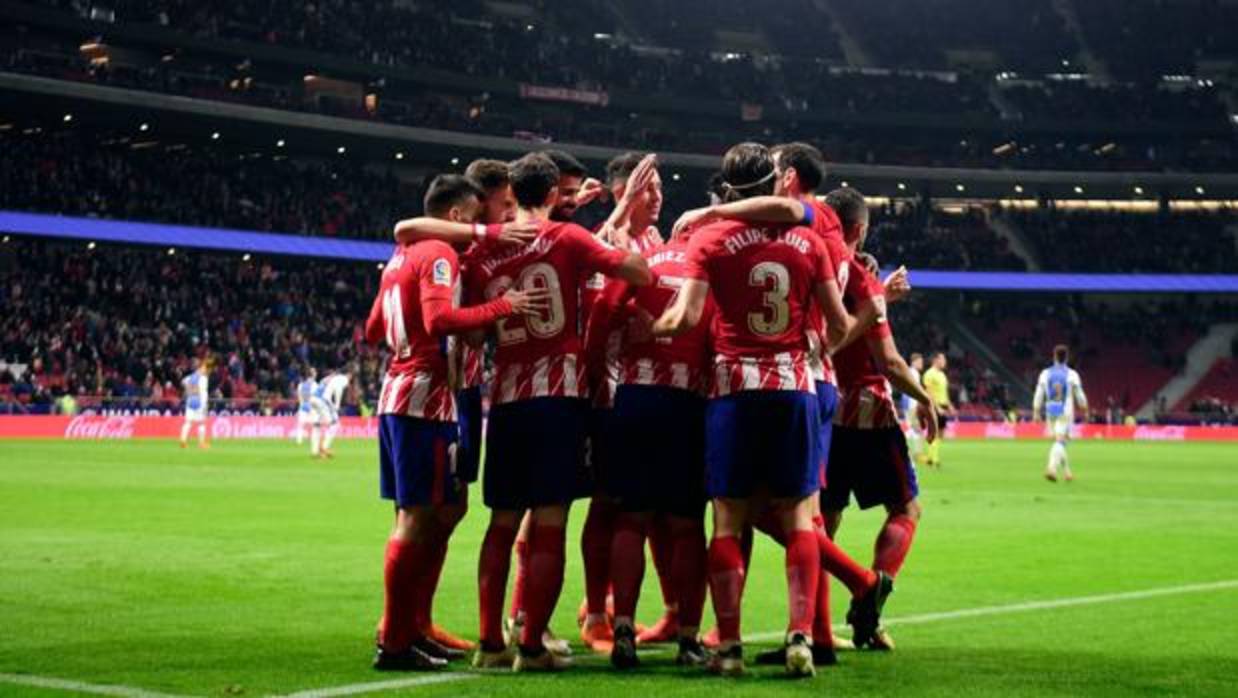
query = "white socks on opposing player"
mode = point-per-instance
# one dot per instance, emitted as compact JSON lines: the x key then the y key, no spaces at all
{"x":315,"y":440}
{"x":300,"y":435}
{"x":1058,"y":459}
{"x":187,"y":426}
{"x":330,"y":437}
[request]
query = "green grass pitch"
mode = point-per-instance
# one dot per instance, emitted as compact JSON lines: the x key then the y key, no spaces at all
{"x":251,"y":570}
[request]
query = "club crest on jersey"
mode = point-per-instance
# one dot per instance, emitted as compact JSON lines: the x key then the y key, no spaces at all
{"x":442,"y":272}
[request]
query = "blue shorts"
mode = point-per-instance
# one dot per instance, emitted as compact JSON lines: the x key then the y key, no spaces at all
{"x":468,"y":416}
{"x":416,"y":461}
{"x":762,"y":441}
{"x":873,"y":465}
{"x":827,"y":405}
{"x":535,"y":452}
{"x":661,"y":467}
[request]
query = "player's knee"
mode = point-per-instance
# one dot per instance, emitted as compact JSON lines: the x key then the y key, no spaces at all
{"x":550,"y":516}
{"x":910,"y":509}
{"x":450,"y":516}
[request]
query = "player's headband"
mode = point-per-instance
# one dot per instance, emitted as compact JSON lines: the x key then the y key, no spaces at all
{"x":750,"y":185}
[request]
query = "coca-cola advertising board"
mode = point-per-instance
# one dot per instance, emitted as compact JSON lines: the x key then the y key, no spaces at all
{"x":105,"y":427}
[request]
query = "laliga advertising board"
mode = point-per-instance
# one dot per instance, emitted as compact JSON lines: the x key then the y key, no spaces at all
{"x":117,"y":427}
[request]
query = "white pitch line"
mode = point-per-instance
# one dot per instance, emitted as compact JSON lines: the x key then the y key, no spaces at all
{"x":356,"y":688}
{"x":428,"y":679}
{"x":1045,"y":605}
{"x":80,"y":687}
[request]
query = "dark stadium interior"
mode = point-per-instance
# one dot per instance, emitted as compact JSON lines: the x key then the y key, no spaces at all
{"x":1061,"y":137}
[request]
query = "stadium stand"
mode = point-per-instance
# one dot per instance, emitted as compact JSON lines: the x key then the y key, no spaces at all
{"x":921,"y":116}
{"x":122,"y":325}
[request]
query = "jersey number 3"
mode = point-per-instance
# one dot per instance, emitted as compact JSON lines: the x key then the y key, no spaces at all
{"x":775,"y":280}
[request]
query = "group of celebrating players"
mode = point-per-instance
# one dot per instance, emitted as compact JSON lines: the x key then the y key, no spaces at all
{"x":745,"y":361}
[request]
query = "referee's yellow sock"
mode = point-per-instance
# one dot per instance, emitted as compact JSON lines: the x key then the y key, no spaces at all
{"x":934,"y":452}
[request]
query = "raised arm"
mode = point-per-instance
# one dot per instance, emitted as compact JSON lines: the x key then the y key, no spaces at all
{"x":758,"y":209}
{"x":412,"y":230}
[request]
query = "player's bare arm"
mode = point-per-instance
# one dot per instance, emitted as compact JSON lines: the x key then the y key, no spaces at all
{"x":869,"y":314}
{"x":412,"y":230}
{"x":758,"y":209}
{"x":890,"y":361}
{"x":840,"y":323}
{"x":686,"y":312}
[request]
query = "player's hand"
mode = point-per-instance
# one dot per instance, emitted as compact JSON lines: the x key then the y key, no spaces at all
{"x":590,"y":190}
{"x":514,"y":233}
{"x":642,"y":177}
{"x":869,"y":262}
{"x":639,"y":329}
{"x":930,"y":425}
{"x":692,"y":219}
{"x":531,"y":302}
{"x":897,"y":285}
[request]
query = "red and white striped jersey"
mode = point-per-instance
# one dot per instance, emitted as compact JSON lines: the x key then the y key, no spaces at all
{"x":590,"y":295}
{"x":471,"y":362}
{"x":677,"y":362}
{"x":763,"y":280}
{"x":826,"y":224}
{"x":866,"y":400}
{"x":416,"y":384}
{"x":541,"y":355}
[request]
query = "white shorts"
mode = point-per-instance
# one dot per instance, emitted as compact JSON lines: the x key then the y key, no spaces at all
{"x":305,"y":416}
{"x":192,"y":415}
{"x":1060,"y":427}
{"x":323,"y":413}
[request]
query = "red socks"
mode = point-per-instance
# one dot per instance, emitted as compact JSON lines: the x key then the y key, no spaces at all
{"x":688,"y":569}
{"x":522,"y":577}
{"x":726,"y":584}
{"x":400,"y":607}
{"x":546,"y":560}
{"x":857,"y":579}
{"x":492,"y":568}
{"x":822,"y":633}
{"x":627,"y":562}
{"x":662,"y":546}
{"x":893,"y":543}
{"x":803,"y":575}
{"x":595,"y":551}
{"x":437,"y":557}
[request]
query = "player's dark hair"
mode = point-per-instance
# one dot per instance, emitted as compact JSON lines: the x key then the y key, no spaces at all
{"x":747,"y":171}
{"x":534,"y":176}
{"x":490,"y":174}
{"x":849,"y":204}
{"x":567,"y":163}
{"x":448,"y":190}
{"x":714,"y":188}
{"x":806,"y":160}
{"x":1061,"y":353}
{"x":621,"y":166}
